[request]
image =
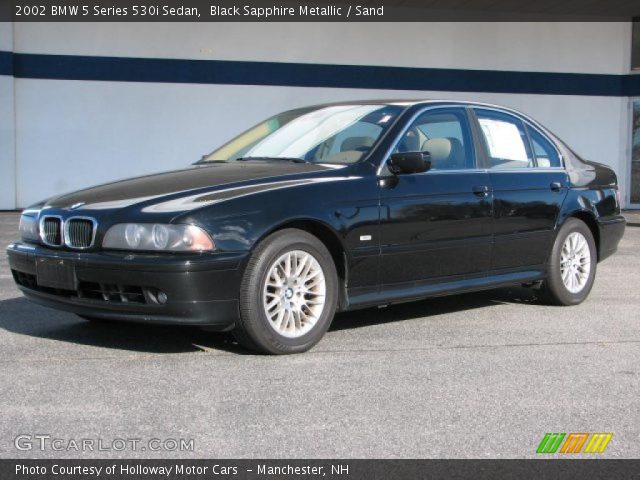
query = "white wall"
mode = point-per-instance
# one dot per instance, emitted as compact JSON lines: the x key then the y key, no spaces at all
{"x":71,"y":134}
{"x":7,"y":127}
{"x":536,"y":46}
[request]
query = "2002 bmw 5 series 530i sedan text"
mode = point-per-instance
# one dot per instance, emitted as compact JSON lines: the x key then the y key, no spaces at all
{"x":326,"y":208}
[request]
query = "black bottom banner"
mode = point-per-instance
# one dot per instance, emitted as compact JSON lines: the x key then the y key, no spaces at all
{"x":84,"y":469}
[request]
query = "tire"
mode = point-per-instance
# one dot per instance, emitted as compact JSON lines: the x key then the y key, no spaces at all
{"x":277,"y":314}
{"x":555,"y":290}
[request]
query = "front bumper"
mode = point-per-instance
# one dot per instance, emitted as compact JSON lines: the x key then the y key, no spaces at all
{"x":200,"y":289}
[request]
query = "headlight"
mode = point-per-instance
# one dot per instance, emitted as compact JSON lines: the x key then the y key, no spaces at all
{"x":157,"y":237}
{"x":29,"y":226}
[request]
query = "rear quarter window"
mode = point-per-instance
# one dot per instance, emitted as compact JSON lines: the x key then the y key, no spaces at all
{"x":545,"y":153}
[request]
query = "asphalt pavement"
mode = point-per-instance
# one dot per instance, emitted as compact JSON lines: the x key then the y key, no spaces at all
{"x":481,"y":375}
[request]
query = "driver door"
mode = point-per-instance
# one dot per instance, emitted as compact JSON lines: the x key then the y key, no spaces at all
{"x":436,"y":225}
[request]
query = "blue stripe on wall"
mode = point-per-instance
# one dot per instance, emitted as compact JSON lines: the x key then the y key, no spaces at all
{"x":121,"y":69}
{"x":6,"y":63}
{"x":631,"y":85}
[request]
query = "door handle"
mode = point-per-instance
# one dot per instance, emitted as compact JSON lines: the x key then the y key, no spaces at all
{"x":555,"y":186}
{"x":481,"y":190}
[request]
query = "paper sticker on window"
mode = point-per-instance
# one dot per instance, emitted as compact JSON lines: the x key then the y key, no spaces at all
{"x":503,"y":139}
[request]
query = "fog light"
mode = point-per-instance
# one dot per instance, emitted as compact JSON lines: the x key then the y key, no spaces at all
{"x":162,"y":297}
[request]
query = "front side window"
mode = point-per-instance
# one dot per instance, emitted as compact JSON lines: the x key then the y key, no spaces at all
{"x":445,"y":135}
{"x":505,"y":139}
{"x":329,"y":134}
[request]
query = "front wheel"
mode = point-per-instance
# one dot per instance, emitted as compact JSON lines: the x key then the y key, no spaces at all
{"x":288,"y":295}
{"x":572,"y":265}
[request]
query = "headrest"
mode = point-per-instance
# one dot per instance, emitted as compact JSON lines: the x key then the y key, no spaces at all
{"x":439,"y":148}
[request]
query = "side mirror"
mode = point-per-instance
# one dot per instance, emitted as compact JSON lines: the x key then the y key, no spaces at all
{"x":409,"y":162}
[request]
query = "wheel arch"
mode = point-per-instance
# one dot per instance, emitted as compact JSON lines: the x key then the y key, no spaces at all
{"x":330,"y":239}
{"x":590,"y":219}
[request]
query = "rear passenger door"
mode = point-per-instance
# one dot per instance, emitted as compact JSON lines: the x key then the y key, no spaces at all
{"x":529,"y":185}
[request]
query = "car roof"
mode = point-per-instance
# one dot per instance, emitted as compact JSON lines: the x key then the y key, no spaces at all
{"x":403,"y":102}
{"x":407,"y":103}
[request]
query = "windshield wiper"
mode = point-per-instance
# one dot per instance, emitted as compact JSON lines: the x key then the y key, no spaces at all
{"x":285,"y":159}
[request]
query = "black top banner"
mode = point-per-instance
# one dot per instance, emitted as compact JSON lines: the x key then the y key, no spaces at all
{"x":317,"y":469}
{"x":308,"y":11}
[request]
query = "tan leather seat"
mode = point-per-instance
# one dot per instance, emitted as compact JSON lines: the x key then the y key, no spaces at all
{"x":447,"y":153}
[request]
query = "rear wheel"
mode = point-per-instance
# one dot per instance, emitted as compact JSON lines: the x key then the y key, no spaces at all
{"x":572,"y":265}
{"x":288,"y":295}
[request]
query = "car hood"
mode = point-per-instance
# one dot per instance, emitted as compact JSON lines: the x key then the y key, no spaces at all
{"x":191,"y":188}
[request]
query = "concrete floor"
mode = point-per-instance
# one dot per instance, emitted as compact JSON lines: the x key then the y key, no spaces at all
{"x":633,"y":217}
{"x":479,"y":375}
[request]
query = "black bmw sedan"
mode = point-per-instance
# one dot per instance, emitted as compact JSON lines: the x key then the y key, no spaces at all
{"x":323,"y":209}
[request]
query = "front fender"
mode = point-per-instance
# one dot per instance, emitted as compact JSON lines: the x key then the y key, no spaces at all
{"x":348,"y":206}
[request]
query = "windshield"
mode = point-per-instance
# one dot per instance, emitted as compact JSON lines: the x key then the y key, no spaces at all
{"x":331,"y":134}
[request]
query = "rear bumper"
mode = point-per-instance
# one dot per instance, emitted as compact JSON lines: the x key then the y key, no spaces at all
{"x":200,"y":289}
{"x":611,"y":232}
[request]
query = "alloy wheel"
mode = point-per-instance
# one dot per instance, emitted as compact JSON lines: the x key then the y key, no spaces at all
{"x":575,"y":262}
{"x":294,"y":293}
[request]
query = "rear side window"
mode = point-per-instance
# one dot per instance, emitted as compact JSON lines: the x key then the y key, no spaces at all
{"x":545,"y":153}
{"x":506,"y":140}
